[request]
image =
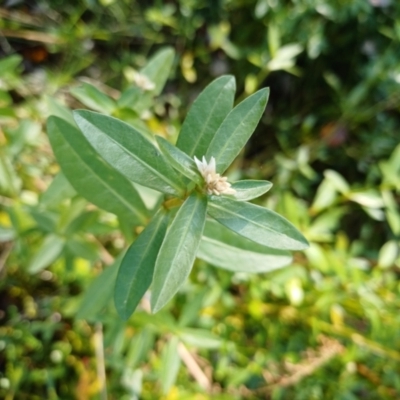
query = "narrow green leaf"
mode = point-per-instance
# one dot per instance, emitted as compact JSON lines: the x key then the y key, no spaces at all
{"x":200,"y":338}
{"x":179,"y":160}
{"x":93,"y":98}
{"x":158,"y":68}
{"x":170,"y":362}
{"x":91,"y":176}
{"x":49,"y":251}
{"x":257,"y":223}
{"x":236,"y":129}
{"x":226,"y":249}
{"x":206,"y":115}
{"x":137,"y":267}
{"x":99,"y":293}
{"x":178,"y":251}
{"x":250,"y":189}
{"x":128,"y":152}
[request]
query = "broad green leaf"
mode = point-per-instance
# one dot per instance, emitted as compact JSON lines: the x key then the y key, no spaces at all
{"x":256,"y":223}
{"x":178,"y":251}
{"x":137,"y":267}
{"x":170,"y":362}
{"x":236,"y":129}
{"x":179,"y":160}
{"x":206,"y":115}
{"x":99,"y":292}
{"x":93,"y":98}
{"x":128,"y":152}
{"x":225,"y":249}
{"x":158,"y":68}
{"x":49,"y":251}
{"x":250,"y":189}
{"x":91,"y":176}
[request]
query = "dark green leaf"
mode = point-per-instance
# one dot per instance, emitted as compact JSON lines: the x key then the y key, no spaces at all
{"x":236,"y":129}
{"x":257,"y":223}
{"x":206,"y":115}
{"x":179,"y":160}
{"x":91,"y":176}
{"x":128,"y":151}
{"x":136,"y":271}
{"x":178,"y":251}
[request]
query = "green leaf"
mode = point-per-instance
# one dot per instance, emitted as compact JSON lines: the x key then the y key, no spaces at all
{"x":128,"y":152}
{"x":179,"y":160}
{"x":256,"y":223}
{"x":200,"y":338}
{"x":236,"y":129}
{"x":49,"y":251}
{"x":137,"y":267}
{"x":158,"y":68}
{"x":250,"y":189}
{"x":170,"y":362}
{"x":99,"y":292}
{"x":224,"y":248}
{"x":58,"y":191}
{"x":206,"y":115}
{"x":93,"y":98}
{"x":178,"y":251}
{"x":91,"y":176}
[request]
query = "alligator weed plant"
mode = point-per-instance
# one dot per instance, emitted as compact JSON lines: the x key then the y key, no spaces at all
{"x":200,"y":213}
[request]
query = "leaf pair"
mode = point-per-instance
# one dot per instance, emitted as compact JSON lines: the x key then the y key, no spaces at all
{"x":166,"y":254}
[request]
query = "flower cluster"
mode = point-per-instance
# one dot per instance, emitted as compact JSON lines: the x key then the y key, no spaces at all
{"x":215,"y":183}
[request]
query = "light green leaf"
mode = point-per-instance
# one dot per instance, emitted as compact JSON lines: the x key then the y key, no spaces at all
{"x":388,"y":254}
{"x":337,"y":180}
{"x":49,"y":251}
{"x":178,"y":251}
{"x":250,"y":189}
{"x":224,"y":248}
{"x":179,"y":160}
{"x":236,"y":129}
{"x":200,"y":338}
{"x":170,"y":362}
{"x":137,"y":267}
{"x":57,"y":109}
{"x":256,"y":223}
{"x":158,"y":68}
{"x":91,"y":176}
{"x":93,"y":98}
{"x":99,"y":292}
{"x":206,"y":115}
{"x":128,"y":152}
{"x":367,"y":198}
{"x":59,"y":190}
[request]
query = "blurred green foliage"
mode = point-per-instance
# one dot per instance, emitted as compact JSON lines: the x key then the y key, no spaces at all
{"x":324,"y":328}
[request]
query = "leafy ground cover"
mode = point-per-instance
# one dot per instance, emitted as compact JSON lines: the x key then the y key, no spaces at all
{"x":325,"y":327}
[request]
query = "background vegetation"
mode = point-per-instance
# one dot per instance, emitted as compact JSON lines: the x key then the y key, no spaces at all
{"x":325,"y":327}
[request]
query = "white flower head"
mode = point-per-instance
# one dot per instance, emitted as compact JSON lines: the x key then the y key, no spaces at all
{"x":215,"y":183}
{"x":143,"y":81}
